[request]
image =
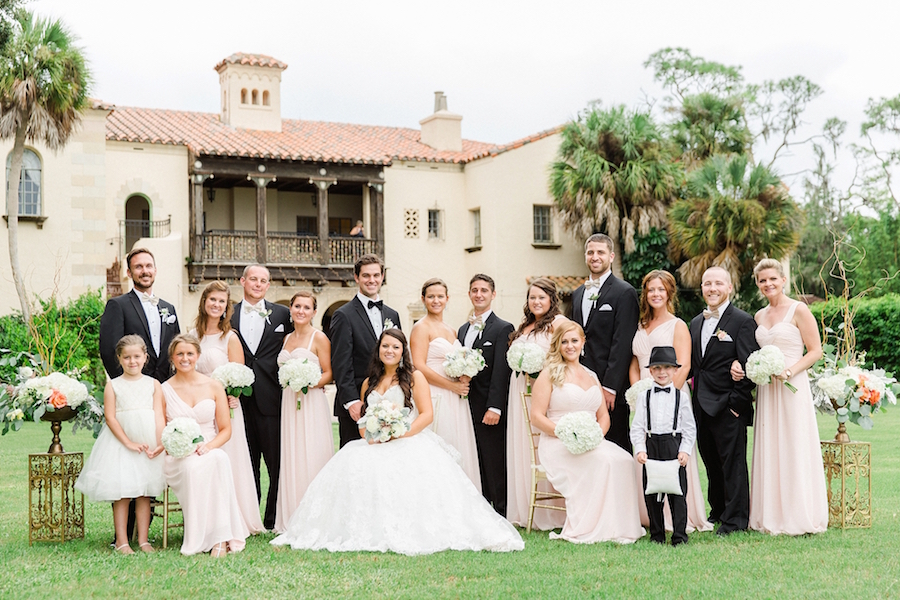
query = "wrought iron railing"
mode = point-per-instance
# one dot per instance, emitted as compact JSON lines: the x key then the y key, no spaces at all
{"x":227,"y":246}
{"x":134,"y":229}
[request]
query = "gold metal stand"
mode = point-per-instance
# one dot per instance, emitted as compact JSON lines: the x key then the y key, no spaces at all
{"x":848,"y":478}
{"x":55,"y":509}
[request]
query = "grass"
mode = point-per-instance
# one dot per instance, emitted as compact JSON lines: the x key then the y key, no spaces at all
{"x":858,"y":563}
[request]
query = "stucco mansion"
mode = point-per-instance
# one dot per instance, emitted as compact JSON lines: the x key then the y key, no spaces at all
{"x":211,"y":193}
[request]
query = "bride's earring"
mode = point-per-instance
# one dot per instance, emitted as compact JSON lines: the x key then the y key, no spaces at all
{"x":401,"y":363}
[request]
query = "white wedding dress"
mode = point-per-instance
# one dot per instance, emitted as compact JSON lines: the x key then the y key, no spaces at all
{"x":407,"y":496}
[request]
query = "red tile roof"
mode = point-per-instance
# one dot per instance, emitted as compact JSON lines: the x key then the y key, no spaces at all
{"x":565,"y":284}
{"x":519,"y":143}
{"x":251,"y":60}
{"x":316,"y":141}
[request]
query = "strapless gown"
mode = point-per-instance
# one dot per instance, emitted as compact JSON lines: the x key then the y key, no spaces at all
{"x":787,"y":493}
{"x":214,"y":353}
{"x":307,"y":441}
{"x":452,"y":417}
{"x":407,"y":496}
{"x":204,"y":484}
{"x":112,"y":471}
{"x":599,"y":486}
{"x":643,"y":343}
{"x":518,"y":453}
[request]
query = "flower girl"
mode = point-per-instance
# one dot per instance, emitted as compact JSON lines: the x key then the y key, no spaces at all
{"x":123,"y":463}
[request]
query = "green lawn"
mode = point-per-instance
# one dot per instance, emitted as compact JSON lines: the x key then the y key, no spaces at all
{"x":836,"y":564}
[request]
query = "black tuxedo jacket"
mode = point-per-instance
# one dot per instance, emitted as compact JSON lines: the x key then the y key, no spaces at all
{"x":490,"y":388}
{"x":266,"y":389}
{"x":352,"y":346}
{"x":609,"y":333}
{"x":123,"y":316}
{"x":713,"y":389}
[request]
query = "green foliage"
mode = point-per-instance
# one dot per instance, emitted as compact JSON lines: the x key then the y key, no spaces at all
{"x":650,"y":252}
{"x":686,"y":74}
{"x":876,"y":323}
{"x":8,"y":10}
{"x":877,"y":161}
{"x":710,"y":124}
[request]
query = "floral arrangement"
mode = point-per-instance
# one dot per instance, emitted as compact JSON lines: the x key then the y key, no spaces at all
{"x":31,"y":396}
{"x":181,"y":436}
{"x":852,"y":392}
{"x":384,"y":421}
{"x":579,"y":431}
{"x":637,"y":390}
{"x":463,"y":362}
{"x":299,"y":375}
{"x":236,"y":378}
{"x":526,"y":357}
{"x":765,"y":363}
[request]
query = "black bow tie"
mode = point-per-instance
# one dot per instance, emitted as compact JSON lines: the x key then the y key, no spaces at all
{"x":664,"y":390}
{"x":378,"y":303}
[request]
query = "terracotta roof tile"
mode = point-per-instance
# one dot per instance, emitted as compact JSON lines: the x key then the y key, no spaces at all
{"x":204,"y":133}
{"x":251,"y":60}
{"x":519,"y":143}
{"x":565,"y":284}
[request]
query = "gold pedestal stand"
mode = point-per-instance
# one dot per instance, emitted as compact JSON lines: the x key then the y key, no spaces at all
{"x":848,"y":473}
{"x":55,"y":509}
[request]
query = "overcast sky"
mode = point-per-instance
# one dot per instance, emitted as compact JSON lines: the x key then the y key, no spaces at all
{"x":510,"y":68}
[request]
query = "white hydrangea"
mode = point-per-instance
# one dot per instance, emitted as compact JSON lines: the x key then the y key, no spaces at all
{"x":579,"y":431}
{"x":299,"y":375}
{"x":764,"y":363}
{"x":385,"y":421}
{"x":637,"y":390}
{"x":235,"y":378}
{"x":181,"y":436}
{"x":40,"y":389}
{"x":461,"y":362}
{"x":834,"y":386}
{"x":526,"y":357}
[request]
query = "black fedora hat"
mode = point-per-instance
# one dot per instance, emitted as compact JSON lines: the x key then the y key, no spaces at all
{"x":663,"y":355}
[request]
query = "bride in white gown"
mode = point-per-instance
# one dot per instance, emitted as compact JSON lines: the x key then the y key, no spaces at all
{"x":408,"y":495}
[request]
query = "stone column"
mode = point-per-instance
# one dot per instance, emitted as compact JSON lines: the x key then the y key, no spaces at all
{"x":322,"y":184}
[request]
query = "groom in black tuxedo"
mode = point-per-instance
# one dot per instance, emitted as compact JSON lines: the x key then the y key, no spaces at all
{"x":262,"y":326}
{"x":489,"y":390}
{"x":141,"y":313}
{"x":355,"y":329}
{"x":607,"y":308}
{"x":723,"y":408}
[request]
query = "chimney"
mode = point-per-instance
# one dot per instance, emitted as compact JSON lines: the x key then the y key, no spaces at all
{"x":443,"y":129}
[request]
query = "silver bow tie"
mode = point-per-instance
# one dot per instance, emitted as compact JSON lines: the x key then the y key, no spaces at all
{"x":145,"y":297}
{"x":250,"y":308}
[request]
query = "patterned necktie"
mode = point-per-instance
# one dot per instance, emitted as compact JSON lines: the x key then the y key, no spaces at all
{"x":145,"y":297}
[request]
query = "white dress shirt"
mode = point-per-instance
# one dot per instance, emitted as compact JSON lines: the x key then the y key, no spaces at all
{"x":662,"y":409}
{"x":253,"y":324}
{"x":586,"y":303}
{"x":376,"y":316}
{"x":154,"y":321}
{"x":709,"y":327}
{"x":472,"y":333}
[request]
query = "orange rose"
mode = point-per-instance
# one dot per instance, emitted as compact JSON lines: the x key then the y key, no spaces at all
{"x":57,"y":399}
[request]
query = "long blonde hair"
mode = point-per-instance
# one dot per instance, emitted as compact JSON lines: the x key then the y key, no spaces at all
{"x":555,"y":365}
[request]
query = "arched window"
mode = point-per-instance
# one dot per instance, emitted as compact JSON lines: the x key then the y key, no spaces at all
{"x":255,"y":96}
{"x":244,"y":96}
{"x":265,"y":97}
{"x":29,"y":183}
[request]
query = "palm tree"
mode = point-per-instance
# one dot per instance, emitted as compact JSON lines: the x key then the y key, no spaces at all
{"x":614,"y":171}
{"x":734,"y":214}
{"x":709,"y":125}
{"x":44,"y":83}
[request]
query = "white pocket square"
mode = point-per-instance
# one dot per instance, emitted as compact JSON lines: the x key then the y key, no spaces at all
{"x":487,"y":344}
{"x":605,"y":307}
{"x":724,"y":337}
{"x":279,"y":329}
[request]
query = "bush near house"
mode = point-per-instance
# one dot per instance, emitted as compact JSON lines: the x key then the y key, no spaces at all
{"x":877,"y":326}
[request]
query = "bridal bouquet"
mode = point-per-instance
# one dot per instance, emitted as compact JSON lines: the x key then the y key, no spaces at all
{"x":579,"y":431}
{"x":384,"y":421}
{"x":181,"y":436}
{"x":299,"y":375}
{"x":526,"y":357}
{"x":637,"y":390}
{"x":236,"y":378}
{"x":463,"y":362}
{"x":766,"y":362}
{"x":855,"y":393}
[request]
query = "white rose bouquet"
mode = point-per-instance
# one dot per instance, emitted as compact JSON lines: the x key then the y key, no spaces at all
{"x":299,"y":375}
{"x":181,"y":436}
{"x":637,"y":390}
{"x":856,"y":394}
{"x":384,"y":421}
{"x":526,"y":357}
{"x":55,"y":390}
{"x":236,"y":378}
{"x":579,"y":431}
{"x":765,"y":363}
{"x":463,"y":362}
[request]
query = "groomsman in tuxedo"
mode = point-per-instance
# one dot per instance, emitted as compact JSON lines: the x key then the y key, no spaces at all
{"x":489,"y":390}
{"x":355,"y":329}
{"x":262,"y":326}
{"x":723,"y":408}
{"x":607,"y":308}
{"x":139,"y":312}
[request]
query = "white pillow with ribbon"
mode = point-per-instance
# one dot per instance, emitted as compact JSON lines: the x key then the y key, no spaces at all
{"x":662,"y":477}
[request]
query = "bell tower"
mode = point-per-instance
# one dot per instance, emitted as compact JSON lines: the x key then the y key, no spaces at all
{"x":251,"y":91}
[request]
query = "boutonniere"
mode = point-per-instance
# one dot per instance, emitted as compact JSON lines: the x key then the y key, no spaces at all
{"x":594,"y":297}
{"x":479,"y":326}
{"x":388,"y":324}
{"x":265,"y":315}
{"x":166,"y":317}
{"x":721,"y":334}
